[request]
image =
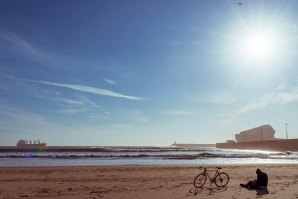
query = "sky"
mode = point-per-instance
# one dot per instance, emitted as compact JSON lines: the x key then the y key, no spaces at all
{"x":146,"y":73}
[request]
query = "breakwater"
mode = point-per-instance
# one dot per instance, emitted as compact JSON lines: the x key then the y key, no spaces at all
{"x":269,"y":145}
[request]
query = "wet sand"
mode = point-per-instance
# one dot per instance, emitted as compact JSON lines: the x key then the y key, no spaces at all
{"x":142,"y":182}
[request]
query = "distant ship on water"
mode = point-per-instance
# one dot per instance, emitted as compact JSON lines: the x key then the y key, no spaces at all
{"x":29,"y":144}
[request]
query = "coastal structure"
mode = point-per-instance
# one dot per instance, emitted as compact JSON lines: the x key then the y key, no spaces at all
{"x":261,"y":133}
{"x":260,"y":138}
{"x":181,"y":145}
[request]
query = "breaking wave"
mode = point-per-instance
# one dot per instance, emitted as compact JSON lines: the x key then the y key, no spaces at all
{"x":153,"y":153}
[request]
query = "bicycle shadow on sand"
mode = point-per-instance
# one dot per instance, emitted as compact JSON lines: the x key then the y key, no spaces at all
{"x":212,"y":190}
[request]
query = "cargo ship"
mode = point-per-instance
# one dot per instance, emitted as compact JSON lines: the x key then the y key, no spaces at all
{"x":29,"y":144}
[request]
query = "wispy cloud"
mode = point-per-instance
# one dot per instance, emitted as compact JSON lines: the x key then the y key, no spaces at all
{"x":140,"y":117}
{"x":12,"y":113}
{"x":74,"y":106}
{"x":71,"y":110}
{"x":3,"y":87}
{"x":269,"y":99}
{"x":284,"y":98}
{"x":17,"y":122}
{"x":218,"y":100}
{"x":256,"y":104}
{"x":133,"y":117}
{"x":110,"y":81}
{"x":220,"y":97}
{"x":71,"y":101}
{"x":83,"y":88}
{"x":86,"y":100}
{"x":17,"y":45}
{"x":81,"y":100}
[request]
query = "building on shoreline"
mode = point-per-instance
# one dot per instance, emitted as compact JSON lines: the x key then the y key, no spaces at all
{"x":261,"y":133}
{"x":260,"y":138}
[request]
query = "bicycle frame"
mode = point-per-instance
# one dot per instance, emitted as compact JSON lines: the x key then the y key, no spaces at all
{"x":212,"y":180}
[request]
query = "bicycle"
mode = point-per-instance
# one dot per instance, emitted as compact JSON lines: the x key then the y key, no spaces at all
{"x":220,"y":179}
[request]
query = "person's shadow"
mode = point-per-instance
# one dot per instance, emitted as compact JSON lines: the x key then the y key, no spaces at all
{"x":261,"y":192}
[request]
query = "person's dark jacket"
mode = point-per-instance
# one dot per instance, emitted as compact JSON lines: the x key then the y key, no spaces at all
{"x":262,"y":179}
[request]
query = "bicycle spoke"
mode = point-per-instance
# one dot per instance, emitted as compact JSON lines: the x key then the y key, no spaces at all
{"x":200,"y":180}
{"x":222,"y":179}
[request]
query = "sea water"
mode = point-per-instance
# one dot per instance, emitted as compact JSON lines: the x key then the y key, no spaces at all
{"x":146,"y":156}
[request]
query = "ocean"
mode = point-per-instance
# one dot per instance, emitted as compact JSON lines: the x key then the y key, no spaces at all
{"x":146,"y":156}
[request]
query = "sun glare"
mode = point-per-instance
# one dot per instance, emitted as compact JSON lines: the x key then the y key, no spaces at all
{"x":256,"y":48}
{"x":258,"y":45}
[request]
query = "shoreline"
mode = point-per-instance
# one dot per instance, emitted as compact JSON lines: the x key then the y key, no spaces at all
{"x":142,"y":181}
{"x":223,"y":165}
{"x":44,"y":163}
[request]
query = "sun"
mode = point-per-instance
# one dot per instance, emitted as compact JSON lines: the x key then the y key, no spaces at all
{"x":259,"y":45}
{"x":255,"y":46}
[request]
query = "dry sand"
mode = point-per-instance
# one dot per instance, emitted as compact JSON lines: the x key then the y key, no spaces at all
{"x":142,"y":182}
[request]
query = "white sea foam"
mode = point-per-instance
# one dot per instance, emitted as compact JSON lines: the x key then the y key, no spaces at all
{"x":145,"y":156}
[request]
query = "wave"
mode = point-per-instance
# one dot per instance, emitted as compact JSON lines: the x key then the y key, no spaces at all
{"x":149,"y":155}
{"x":103,"y":149}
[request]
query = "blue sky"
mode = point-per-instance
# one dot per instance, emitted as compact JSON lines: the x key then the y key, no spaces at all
{"x":146,"y":72}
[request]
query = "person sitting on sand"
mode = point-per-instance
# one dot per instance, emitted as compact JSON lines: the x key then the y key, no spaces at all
{"x":260,"y":183}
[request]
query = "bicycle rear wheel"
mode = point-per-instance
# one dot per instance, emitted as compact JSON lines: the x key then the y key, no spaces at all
{"x":200,"y":180}
{"x":222,"y":179}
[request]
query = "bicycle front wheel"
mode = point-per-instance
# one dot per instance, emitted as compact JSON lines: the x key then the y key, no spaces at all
{"x":222,"y":179}
{"x":199,"y":180}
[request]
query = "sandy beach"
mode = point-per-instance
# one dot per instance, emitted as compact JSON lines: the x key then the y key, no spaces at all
{"x":142,"y":182}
